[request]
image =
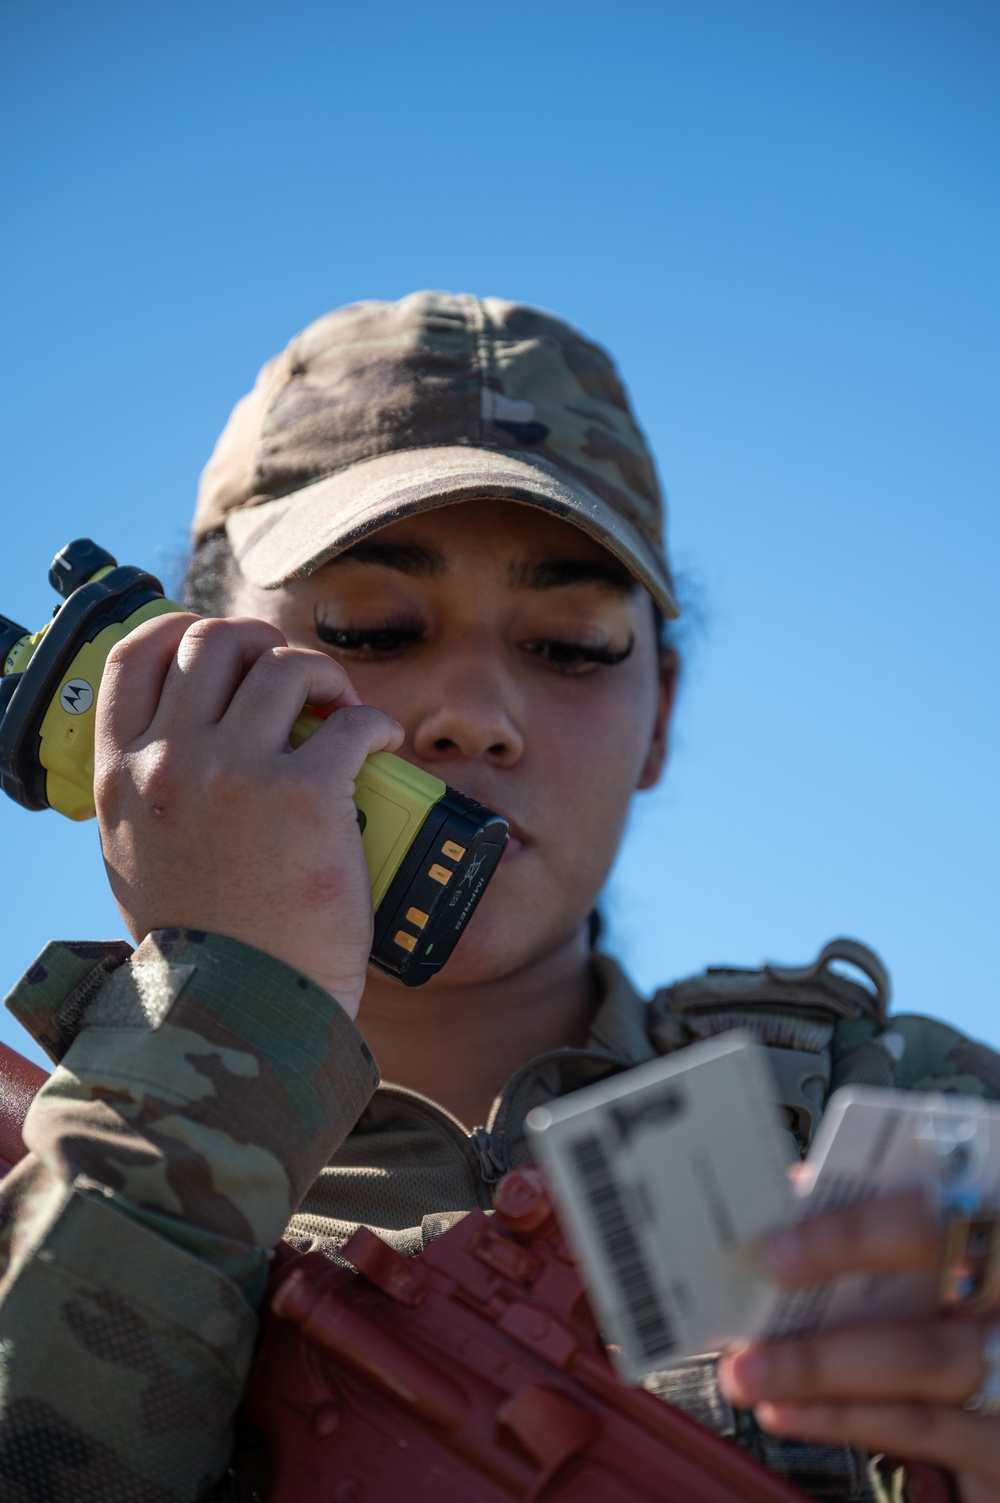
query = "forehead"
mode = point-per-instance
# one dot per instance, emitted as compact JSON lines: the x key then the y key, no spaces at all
{"x":487,"y":536}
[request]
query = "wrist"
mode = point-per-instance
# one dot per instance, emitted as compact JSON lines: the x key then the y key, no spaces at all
{"x":344,"y":988}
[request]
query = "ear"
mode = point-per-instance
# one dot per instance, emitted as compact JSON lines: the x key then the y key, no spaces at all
{"x":659,"y":744}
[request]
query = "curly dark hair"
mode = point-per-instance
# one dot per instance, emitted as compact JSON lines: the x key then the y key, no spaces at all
{"x":209,"y":575}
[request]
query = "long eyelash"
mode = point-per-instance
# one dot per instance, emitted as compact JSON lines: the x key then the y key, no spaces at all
{"x":394,"y":631}
{"x":606,"y":655}
{"x":575,"y":652}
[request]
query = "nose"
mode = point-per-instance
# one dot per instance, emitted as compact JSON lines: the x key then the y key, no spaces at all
{"x":470,"y":713}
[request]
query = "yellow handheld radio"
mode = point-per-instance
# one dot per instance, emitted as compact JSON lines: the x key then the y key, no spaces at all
{"x":430,"y":850}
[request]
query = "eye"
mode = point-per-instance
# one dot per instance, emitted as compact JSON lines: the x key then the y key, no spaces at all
{"x":381,"y":639}
{"x":578,"y":657}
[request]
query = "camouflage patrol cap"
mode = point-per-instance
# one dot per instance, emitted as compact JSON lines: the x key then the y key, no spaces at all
{"x":381,"y":410}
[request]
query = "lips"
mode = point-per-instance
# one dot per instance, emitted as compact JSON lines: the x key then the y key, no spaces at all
{"x":514,"y":845}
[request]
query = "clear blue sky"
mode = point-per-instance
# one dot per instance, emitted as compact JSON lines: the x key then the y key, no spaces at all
{"x":781,"y":216}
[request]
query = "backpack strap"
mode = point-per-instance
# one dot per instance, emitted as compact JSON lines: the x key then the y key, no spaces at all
{"x":792,"y":1011}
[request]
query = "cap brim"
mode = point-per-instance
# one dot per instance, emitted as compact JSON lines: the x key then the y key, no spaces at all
{"x":277,"y":541}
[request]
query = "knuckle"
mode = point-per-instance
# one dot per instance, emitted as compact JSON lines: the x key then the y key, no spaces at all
{"x":156,"y":775}
{"x":134,"y":645}
{"x":120,"y":653}
{"x":360,"y":722}
{"x":150,"y":778}
{"x":267,"y":662}
{"x":305,"y":657}
{"x":353,"y":718}
{"x":207,"y":629}
{"x":157,"y":637}
{"x":253,"y":630}
{"x":208,"y":632}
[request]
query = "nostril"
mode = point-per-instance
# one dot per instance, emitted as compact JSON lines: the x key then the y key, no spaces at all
{"x":443,"y":744}
{"x":497,"y":749}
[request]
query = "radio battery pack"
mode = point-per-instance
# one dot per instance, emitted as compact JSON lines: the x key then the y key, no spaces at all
{"x":430,"y":850}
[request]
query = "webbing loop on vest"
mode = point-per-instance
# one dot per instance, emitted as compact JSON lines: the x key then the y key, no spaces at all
{"x":850,"y":952}
{"x":798,"y":993}
{"x":792,"y":1011}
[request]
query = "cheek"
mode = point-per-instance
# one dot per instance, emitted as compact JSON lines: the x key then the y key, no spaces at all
{"x":601,"y":745}
{"x":586,"y":763}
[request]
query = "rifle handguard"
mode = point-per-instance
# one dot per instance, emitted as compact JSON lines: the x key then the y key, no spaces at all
{"x":471,"y":1371}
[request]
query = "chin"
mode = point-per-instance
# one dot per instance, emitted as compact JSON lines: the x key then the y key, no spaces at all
{"x":500,"y":943}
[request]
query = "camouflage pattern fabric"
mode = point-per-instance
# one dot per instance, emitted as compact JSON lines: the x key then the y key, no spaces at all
{"x":168,"y":1150}
{"x":208,"y":1097}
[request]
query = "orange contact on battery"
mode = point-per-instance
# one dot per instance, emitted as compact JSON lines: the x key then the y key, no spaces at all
{"x":406,"y":941}
{"x":452,"y":851}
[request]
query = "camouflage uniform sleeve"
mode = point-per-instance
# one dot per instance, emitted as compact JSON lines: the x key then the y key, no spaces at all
{"x":207,"y":1087}
{"x":914,"y":1053}
{"x":933,"y":1056}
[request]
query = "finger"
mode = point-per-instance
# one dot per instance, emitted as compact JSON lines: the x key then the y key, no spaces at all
{"x":937,"y":1361}
{"x":134,"y":677}
{"x":347,"y":738}
{"x":893,"y":1233}
{"x":277,"y":687}
{"x":211,"y":660}
{"x":951,"y":1438}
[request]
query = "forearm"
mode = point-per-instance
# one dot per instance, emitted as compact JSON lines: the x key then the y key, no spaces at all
{"x":207,"y":1088}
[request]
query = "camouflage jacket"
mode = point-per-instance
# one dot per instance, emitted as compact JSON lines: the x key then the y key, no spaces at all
{"x":208,"y":1099}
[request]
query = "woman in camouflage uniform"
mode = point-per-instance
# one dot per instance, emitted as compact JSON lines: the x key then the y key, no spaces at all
{"x":439,"y":519}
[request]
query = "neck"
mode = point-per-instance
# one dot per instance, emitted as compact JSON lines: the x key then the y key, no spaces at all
{"x":460,"y":1044}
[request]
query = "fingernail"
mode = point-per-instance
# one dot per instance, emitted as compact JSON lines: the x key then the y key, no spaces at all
{"x":783,"y":1254}
{"x":772,"y":1417}
{"x":741,"y":1374}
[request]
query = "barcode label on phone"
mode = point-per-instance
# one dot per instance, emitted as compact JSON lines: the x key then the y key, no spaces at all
{"x":650,"y":1326}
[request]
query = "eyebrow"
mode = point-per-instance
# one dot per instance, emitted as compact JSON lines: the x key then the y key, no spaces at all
{"x":421,"y":562}
{"x":558,"y":573}
{"x":407,"y":558}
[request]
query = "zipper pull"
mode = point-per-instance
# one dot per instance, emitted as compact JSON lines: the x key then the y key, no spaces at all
{"x":491,"y":1166}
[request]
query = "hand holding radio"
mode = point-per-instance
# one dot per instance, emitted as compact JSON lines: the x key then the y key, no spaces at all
{"x":209,"y":819}
{"x":225,"y":757}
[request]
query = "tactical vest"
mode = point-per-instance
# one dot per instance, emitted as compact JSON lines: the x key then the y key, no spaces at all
{"x":817,"y":1025}
{"x":819,"y":1029}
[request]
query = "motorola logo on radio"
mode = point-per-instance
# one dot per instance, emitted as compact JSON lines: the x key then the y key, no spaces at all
{"x":77,"y":696}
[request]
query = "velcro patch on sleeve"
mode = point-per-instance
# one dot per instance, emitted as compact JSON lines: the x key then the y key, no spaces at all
{"x":139,"y":995}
